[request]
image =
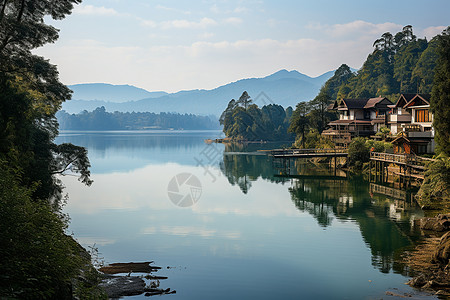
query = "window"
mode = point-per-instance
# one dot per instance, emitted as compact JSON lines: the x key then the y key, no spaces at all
{"x":366,"y":114}
{"x":423,"y":115}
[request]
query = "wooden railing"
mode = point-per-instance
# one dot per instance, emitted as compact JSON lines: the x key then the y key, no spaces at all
{"x":290,"y":152}
{"x":395,"y":158}
{"x":409,"y":159}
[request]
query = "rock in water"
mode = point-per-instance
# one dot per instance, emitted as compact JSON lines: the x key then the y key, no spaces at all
{"x":438,"y":223}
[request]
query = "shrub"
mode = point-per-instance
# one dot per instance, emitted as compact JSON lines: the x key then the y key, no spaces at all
{"x":358,"y":153}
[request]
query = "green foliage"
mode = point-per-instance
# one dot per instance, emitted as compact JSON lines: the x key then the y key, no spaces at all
{"x":405,"y":61}
{"x":244,"y":121}
{"x":435,"y":190}
{"x":314,"y":140}
{"x":358,"y":153}
{"x":378,"y":146}
{"x":440,"y":97}
{"x":333,"y":85}
{"x":99,"y":119}
{"x":299,"y":122}
{"x":31,"y":93}
{"x":38,"y":259}
{"x":400,"y":63}
{"x":423,"y":72}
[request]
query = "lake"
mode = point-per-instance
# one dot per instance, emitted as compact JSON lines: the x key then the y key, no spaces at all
{"x":222,"y":223}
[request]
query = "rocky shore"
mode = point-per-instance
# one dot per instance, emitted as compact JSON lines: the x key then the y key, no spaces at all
{"x":431,"y":259}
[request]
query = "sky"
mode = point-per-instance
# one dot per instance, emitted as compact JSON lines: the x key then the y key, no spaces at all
{"x":175,"y":45}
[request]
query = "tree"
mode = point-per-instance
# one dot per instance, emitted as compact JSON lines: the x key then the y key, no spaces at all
{"x":358,"y":153}
{"x":440,"y":96}
{"x":244,"y":100}
{"x":249,"y":122}
{"x":299,"y":121}
{"x":30,"y":92}
{"x":341,"y":77}
{"x":423,"y":73}
{"x":320,"y":116}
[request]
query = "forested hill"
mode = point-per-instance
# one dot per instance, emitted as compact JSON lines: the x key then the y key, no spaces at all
{"x":400,"y":63}
{"x":99,"y":119}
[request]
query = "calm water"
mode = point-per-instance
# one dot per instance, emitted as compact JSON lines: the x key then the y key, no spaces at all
{"x":251,"y":235}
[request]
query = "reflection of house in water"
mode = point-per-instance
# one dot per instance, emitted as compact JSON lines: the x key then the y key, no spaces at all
{"x":384,"y":230}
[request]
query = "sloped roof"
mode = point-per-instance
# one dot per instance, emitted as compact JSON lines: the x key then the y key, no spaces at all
{"x":372,"y":102}
{"x":399,"y":138}
{"x":353,"y":103}
{"x":418,"y":99}
{"x":333,"y":105}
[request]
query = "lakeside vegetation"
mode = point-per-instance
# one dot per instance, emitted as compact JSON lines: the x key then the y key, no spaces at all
{"x":100,"y":119}
{"x":39,"y":261}
{"x":243,"y":120}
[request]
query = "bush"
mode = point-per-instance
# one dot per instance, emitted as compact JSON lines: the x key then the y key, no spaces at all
{"x":314,"y":140}
{"x":38,"y":260}
{"x":435,"y":189}
{"x":358,"y":153}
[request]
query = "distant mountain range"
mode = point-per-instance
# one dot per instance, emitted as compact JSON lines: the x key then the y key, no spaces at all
{"x":111,"y":93}
{"x":283,"y":87}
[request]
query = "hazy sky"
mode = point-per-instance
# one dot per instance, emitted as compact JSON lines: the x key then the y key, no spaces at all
{"x":176,"y":45}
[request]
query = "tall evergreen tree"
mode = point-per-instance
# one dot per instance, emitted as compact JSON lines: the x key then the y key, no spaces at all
{"x":440,"y":96}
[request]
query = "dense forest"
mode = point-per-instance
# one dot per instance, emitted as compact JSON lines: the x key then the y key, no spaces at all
{"x":400,"y":63}
{"x":99,"y":119}
{"x":38,"y":260}
{"x":244,"y":120}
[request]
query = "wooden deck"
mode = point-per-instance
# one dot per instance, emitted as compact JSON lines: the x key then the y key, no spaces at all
{"x":308,"y":153}
{"x":409,"y":160}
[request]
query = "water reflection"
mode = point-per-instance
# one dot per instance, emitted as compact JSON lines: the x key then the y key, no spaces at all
{"x":316,"y":231}
{"x":386,"y":224}
{"x":124,"y":151}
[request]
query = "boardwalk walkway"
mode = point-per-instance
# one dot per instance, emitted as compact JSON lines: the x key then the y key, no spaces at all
{"x":308,"y":153}
{"x":409,"y":160}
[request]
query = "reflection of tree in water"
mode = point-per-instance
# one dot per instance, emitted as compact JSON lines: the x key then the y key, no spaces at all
{"x":342,"y":199}
{"x":350,"y":200}
{"x":242,"y":170}
{"x":317,"y":200}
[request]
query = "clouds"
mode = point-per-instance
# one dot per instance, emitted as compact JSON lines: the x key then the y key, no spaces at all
{"x":432,"y":31}
{"x":94,"y":10}
{"x":359,"y":27}
{"x":185,"y":24}
{"x":203,"y":44}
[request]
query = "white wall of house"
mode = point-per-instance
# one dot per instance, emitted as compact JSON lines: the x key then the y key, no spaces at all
{"x":394,"y":128}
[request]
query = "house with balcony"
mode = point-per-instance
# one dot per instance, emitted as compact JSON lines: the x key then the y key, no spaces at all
{"x":411,"y":117}
{"x":357,"y":117}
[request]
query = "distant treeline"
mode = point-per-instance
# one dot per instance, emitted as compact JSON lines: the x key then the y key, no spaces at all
{"x":100,"y":119}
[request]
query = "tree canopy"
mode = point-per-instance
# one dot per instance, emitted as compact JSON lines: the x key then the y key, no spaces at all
{"x":400,"y":63}
{"x":242,"y":120}
{"x":440,"y":97}
{"x":31,"y":94}
{"x":38,"y":259}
